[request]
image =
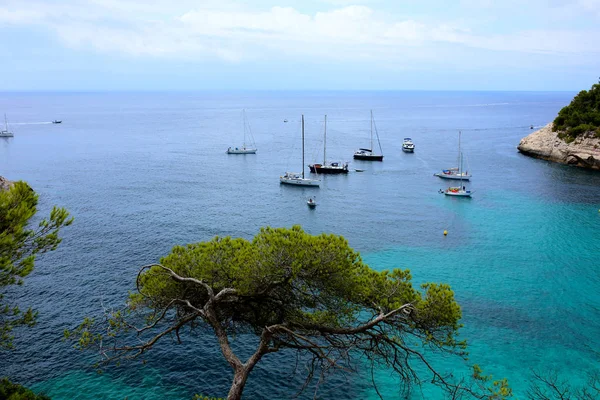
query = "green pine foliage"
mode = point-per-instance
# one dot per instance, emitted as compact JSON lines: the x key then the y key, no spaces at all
{"x":19,"y":247}
{"x":295,"y":292}
{"x":13,"y":391}
{"x":581,"y":116}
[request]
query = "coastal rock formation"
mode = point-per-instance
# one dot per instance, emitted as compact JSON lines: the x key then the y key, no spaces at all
{"x":584,"y":151}
{"x":5,"y":184}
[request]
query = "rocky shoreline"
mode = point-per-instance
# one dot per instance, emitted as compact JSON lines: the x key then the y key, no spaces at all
{"x":583,"y":152}
{"x":5,"y":184}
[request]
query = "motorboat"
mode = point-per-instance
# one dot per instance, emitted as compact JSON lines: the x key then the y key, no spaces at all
{"x":408,"y":146}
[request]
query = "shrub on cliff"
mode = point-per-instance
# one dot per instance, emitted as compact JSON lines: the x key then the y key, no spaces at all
{"x":581,"y":116}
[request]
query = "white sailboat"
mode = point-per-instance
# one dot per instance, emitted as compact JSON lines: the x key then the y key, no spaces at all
{"x":367,"y":154}
{"x":298,"y":179}
{"x":250,"y":149}
{"x":458,"y":191}
{"x":5,"y":132}
{"x":455,"y":173}
{"x":337,"y":167}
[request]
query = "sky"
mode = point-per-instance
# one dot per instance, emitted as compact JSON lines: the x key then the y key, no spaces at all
{"x":299,"y":44}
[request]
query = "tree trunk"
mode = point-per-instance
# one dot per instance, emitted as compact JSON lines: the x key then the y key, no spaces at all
{"x":237,"y":386}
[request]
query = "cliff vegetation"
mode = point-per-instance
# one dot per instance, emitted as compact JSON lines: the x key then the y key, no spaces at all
{"x":581,"y":116}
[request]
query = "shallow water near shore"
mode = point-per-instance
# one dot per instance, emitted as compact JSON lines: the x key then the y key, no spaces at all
{"x":142,"y":172}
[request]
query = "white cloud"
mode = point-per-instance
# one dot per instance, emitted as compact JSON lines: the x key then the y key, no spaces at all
{"x":230,"y":31}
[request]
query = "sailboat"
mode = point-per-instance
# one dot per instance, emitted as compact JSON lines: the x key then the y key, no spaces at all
{"x":5,"y":132}
{"x":251,"y":149}
{"x":460,"y":191}
{"x":328,"y":168}
{"x":298,"y":179}
{"x":367,"y":154}
{"x":455,"y":173}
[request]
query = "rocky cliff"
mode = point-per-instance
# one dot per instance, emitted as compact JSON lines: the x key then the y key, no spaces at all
{"x":584,"y":151}
{"x":5,"y":183}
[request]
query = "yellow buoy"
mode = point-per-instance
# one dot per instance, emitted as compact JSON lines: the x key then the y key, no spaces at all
{"x":446,"y":232}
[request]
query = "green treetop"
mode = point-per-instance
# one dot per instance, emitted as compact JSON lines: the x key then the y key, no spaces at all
{"x":19,"y":246}
{"x":308,"y":294}
{"x":581,"y":116}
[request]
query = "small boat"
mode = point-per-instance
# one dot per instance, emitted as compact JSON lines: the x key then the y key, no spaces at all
{"x":367,"y":154}
{"x":298,"y":179}
{"x":57,"y":121}
{"x":455,"y":173}
{"x":311,"y":203}
{"x":460,"y":191}
{"x":250,"y":149}
{"x":285,"y":120}
{"x":408,"y":146}
{"x":531,"y":127}
{"x":328,"y":167}
{"x":5,"y":132}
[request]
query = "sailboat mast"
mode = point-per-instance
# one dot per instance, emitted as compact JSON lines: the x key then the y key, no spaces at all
{"x":459,"y":157}
{"x":460,"y":169}
{"x":244,"y":122}
{"x":371,"y":130}
{"x":302,"y":146}
{"x":325,"y":142}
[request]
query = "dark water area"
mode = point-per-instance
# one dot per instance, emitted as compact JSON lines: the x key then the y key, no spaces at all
{"x":142,"y":172}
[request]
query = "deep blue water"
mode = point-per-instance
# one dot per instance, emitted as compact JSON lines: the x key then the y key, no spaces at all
{"x":142,"y":172}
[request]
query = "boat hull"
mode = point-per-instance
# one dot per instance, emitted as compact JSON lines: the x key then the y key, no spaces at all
{"x":458,"y":194}
{"x":408,"y":149}
{"x":368,"y":157}
{"x":456,"y":177}
{"x":241,"y":151}
{"x":6,"y":134}
{"x":328,"y":169}
{"x":299,"y":181}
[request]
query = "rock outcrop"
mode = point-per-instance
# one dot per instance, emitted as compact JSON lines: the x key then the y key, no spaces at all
{"x":5,"y":184}
{"x":584,"y":151}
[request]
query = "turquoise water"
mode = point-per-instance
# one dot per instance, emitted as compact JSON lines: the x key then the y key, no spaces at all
{"x":142,"y":172}
{"x":536,"y":262}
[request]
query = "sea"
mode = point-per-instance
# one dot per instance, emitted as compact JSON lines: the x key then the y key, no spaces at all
{"x":142,"y":172}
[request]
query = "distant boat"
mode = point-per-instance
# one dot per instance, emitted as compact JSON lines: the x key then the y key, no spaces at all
{"x":328,"y":168}
{"x":531,"y":127}
{"x":311,"y":203}
{"x":56,"y":121}
{"x":298,"y":179}
{"x":285,"y":120}
{"x":408,"y":146}
{"x":367,"y":154}
{"x":250,"y":149}
{"x":455,"y":173}
{"x":5,"y":132}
